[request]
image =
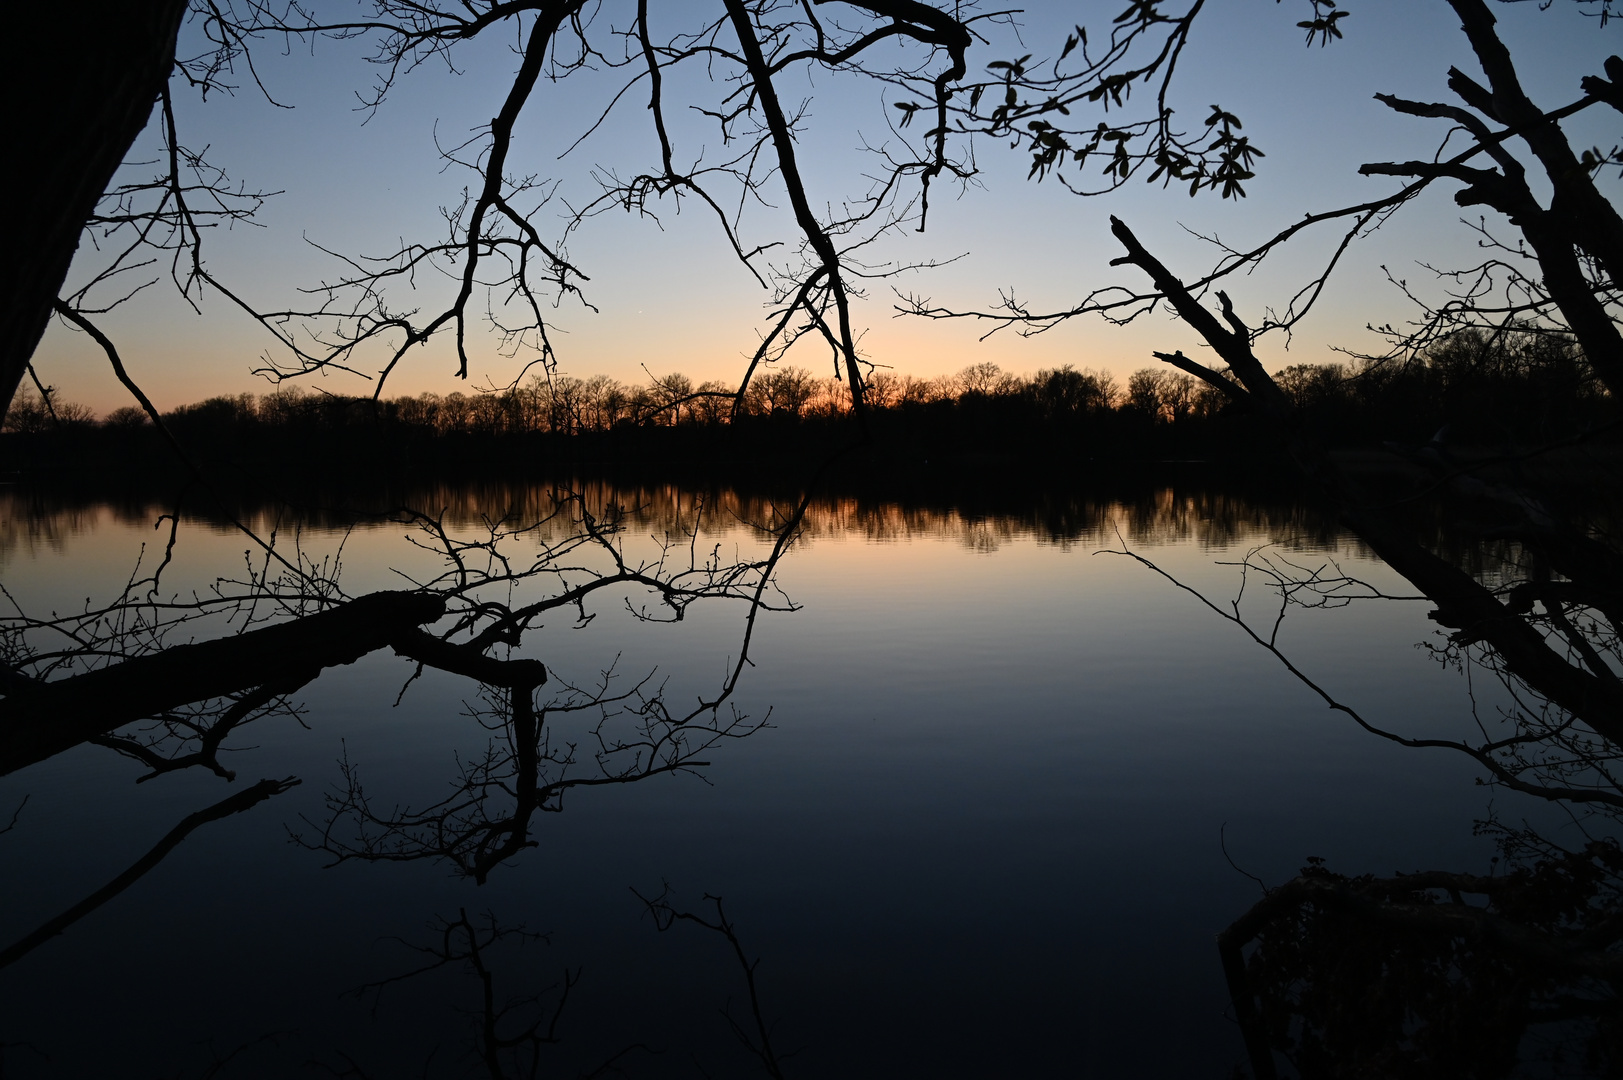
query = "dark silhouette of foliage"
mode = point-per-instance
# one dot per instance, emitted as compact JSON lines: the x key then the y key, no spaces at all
{"x":1436,"y":974}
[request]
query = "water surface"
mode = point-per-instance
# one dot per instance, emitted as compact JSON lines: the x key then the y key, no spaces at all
{"x":980,"y":838}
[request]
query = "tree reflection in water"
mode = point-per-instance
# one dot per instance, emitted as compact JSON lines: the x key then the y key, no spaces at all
{"x":511,"y":1032}
{"x":1443,"y":972}
{"x":1402,"y":967}
{"x":131,"y":675}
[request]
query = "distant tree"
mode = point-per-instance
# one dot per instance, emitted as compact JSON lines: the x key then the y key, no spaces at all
{"x":671,"y":395}
{"x":1180,"y":396}
{"x":1144,"y":392}
{"x":783,"y":391}
{"x":884,"y":389}
{"x":1065,"y":391}
{"x":713,"y":404}
{"x":126,"y":417}
{"x":604,"y":400}
{"x":1310,"y":384}
{"x":28,"y":413}
{"x":980,"y":379}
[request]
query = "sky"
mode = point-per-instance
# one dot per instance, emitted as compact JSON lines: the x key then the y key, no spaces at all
{"x":670,"y":296}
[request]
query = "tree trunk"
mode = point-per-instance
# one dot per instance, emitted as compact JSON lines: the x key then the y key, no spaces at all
{"x":83,"y":93}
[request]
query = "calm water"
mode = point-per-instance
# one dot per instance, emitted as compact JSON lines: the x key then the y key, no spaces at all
{"x":980,"y":838}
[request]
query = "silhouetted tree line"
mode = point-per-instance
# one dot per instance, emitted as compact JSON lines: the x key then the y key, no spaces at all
{"x":1515,"y":388}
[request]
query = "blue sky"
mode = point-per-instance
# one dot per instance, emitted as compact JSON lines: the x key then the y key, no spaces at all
{"x":671,"y":296}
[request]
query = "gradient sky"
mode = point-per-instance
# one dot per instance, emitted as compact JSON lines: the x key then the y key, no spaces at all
{"x":671,"y":296}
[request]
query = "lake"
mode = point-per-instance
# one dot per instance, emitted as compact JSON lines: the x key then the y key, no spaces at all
{"x":1011,"y":788}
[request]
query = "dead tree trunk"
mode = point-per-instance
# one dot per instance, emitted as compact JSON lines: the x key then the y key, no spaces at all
{"x":80,"y":96}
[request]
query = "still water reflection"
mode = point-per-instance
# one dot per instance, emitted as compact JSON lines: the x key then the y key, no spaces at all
{"x":980,"y":837}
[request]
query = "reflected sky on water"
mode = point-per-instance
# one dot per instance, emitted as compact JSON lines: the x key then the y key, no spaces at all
{"x":981,"y":838}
